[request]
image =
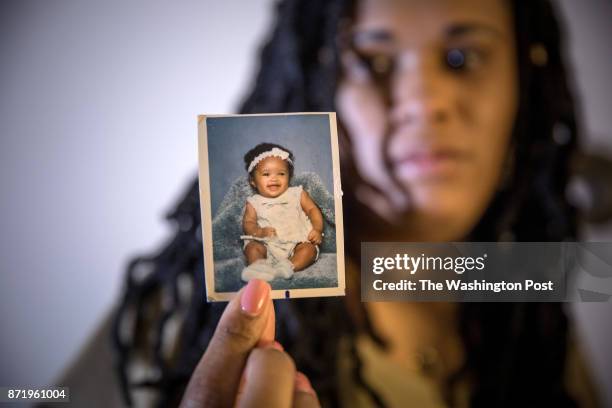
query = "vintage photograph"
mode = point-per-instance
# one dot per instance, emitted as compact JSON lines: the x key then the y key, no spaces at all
{"x":271,"y":204}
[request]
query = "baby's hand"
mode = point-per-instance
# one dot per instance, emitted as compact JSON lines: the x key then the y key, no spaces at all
{"x":266,"y":232}
{"x":315,"y":237}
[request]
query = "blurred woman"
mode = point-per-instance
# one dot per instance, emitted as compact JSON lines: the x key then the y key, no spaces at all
{"x":456,"y":123}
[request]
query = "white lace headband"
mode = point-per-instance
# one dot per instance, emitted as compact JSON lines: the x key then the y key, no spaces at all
{"x":276,"y":152}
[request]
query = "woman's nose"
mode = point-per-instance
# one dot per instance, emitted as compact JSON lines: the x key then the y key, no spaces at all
{"x":420,"y":94}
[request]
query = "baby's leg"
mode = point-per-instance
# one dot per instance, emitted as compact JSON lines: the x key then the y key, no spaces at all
{"x":304,"y":254}
{"x":255,"y":250}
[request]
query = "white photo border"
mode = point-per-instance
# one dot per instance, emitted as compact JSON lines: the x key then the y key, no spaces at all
{"x":206,"y":214}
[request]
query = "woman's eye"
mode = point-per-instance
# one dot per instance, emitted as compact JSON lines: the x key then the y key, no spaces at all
{"x":462,"y":59}
{"x":378,"y":65}
{"x":381,"y":64}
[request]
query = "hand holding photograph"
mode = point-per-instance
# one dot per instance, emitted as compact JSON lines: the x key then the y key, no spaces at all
{"x":271,"y":204}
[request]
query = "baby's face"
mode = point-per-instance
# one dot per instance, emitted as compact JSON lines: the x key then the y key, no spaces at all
{"x":271,"y":177}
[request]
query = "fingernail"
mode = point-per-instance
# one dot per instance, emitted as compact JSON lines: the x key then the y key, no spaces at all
{"x":272,"y":344}
{"x":254,"y":297}
{"x":302,"y":383}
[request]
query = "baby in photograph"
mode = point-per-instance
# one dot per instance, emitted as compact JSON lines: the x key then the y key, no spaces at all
{"x":283,"y":226}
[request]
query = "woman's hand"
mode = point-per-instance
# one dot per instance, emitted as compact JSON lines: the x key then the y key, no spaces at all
{"x":243,"y":365}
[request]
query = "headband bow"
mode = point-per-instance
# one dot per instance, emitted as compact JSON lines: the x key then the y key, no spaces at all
{"x":276,"y":152}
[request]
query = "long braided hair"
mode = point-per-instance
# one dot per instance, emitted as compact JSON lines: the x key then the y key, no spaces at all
{"x":515,"y":352}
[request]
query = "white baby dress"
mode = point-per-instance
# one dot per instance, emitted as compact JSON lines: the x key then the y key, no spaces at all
{"x":283,"y":213}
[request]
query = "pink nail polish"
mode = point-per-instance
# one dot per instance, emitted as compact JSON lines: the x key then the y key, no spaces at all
{"x":276,"y":345}
{"x":272,"y":344}
{"x":254,"y":297}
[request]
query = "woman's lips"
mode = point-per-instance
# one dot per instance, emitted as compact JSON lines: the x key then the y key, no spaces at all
{"x":438,"y":164}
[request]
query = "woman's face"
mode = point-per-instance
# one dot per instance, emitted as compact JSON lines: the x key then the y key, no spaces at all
{"x":432,"y":85}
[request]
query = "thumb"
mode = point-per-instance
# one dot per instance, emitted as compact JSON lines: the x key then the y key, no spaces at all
{"x":245,"y":322}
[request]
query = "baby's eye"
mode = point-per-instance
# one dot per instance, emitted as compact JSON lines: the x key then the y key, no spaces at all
{"x":265,"y":174}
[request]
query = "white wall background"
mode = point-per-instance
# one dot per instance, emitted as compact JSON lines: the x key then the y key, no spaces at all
{"x":98,"y":105}
{"x":98,"y":136}
{"x":589,"y":30}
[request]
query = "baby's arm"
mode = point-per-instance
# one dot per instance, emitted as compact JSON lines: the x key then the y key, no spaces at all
{"x":316,"y":218}
{"x":249,"y":224}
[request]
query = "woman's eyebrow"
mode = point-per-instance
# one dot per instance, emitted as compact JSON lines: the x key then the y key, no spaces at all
{"x":371,"y":36}
{"x":462,"y":29}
